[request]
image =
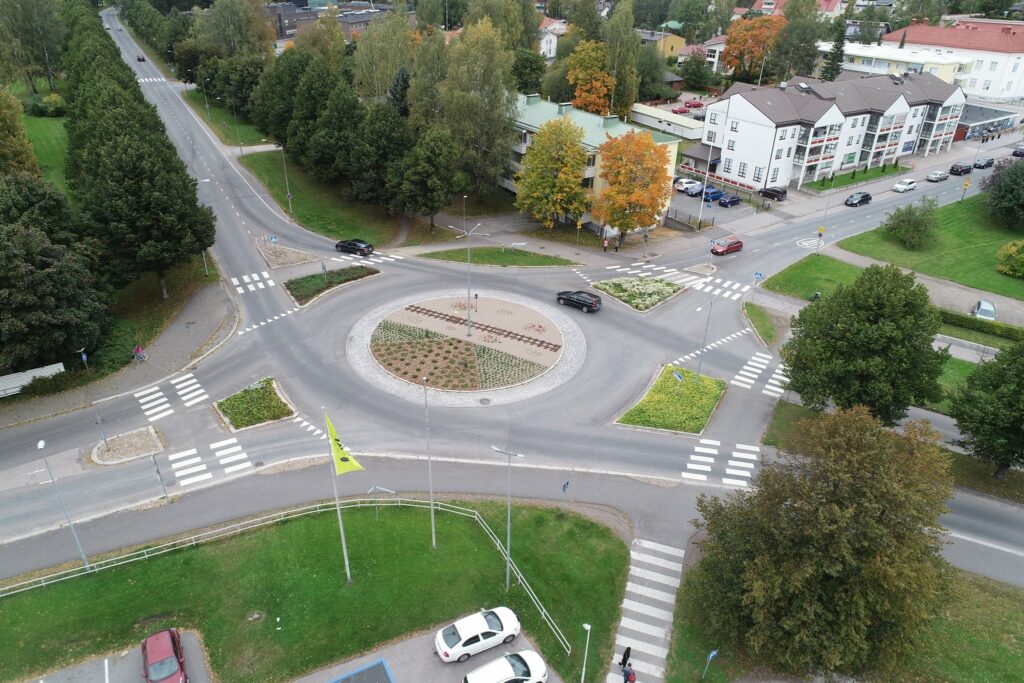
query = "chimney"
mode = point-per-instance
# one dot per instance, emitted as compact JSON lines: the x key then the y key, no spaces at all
{"x":532,"y":99}
{"x":564,"y":108}
{"x":609,"y":121}
{"x":782,"y":86}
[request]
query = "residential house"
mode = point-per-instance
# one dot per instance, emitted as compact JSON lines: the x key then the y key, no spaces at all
{"x":713,"y":49}
{"x":685,"y":127}
{"x":551,"y":30}
{"x":889,"y":59}
{"x":669,"y":44}
{"x":828,"y":8}
{"x":802,"y":130}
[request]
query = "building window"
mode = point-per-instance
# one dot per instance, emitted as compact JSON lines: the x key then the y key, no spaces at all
{"x":986,"y":85}
{"x":789,"y":152}
{"x":850,"y":157}
{"x":727,"y":167}
{"x":591,"y":160}
{"x":775,"y":175}
{"x":588,"y":182}
{"x":525,"y":137}
{"x":778,"y":153}
{"x":992,"y":66}
{"x":934,"y":70}
{"x":731,"y":145}
{"x":711,"y":136}
{"x":977,"y":65}
{"x":849,"y":140}
{"x":973,"y":83}
{"x":1016,"y":65}
{"x":743,"y":169}
{"x":830,"y":148}
{"x":712,"y":118}
{"x":734,"y":126}
{"x":758,"y":174}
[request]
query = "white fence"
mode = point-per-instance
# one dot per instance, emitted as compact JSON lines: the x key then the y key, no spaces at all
{"x":249,"y":525}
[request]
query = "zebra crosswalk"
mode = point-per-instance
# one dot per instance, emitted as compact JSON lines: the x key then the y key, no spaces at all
{"x":252,"y":282}
{"x":708,"y":284}
{"x":375,"y":257}
{"x":740,"y":462}
{"x":190,"y":467}
{"x":151,"y":80}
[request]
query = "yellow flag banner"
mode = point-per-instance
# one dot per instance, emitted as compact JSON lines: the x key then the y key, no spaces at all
{"x":343,"y":460}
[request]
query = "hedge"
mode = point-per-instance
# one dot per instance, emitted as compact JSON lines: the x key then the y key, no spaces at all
{"x":971,"y":323}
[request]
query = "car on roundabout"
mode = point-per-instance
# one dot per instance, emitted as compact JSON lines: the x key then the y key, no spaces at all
{"x":163,"y":660}
{"x":727,"y":245}
{"x":936,"y":176}
{"x":475,"y":633}
{"x":585,"y":301}
{"x":858,"y":199}
{"x":358,"y":247}
{"x":904,"y":185}
{"x":525,"y":666}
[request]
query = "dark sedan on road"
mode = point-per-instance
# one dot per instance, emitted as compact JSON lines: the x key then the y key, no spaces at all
{"x":359,"y":247}
{"x":726,"y":245}
{"x":730,"y":200}
{"x":1018,"y":152}
{"x":163,"y":660}
{"x":585,"y":301}
{"x":984,"y":162}
{"x":960,"y":169}
{"x":776,"y":193}
{"x":858,"y":199}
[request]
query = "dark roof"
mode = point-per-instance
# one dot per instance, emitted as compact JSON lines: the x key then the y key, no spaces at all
{"x":671,"y":77}
{"x":700,"y":152}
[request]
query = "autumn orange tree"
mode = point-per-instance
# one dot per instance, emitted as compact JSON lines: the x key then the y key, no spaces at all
{"x":635,"y":169}
{"x":747,"y":42}
{"x":592,"y":85}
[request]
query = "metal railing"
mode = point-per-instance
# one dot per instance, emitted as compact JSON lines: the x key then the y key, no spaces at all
{"x":294,"y":513}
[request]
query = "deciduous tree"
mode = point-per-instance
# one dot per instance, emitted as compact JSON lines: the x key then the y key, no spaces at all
{"x":833,"y":561}
{"x":867,"y":344}
{"x":337,"y":128}
{"x":15,"y":150}
{"x":274,"y":97}
{"x":796,"y":46}
{"x":638,"y":186}
{"x":690,"y":13}
{"x":527,"y":70}
{"x":38,"y":27}
{"x":650,"y":68}
{"x":238,"y":26}
{"x":427,"y":175}
{"x":914,"y":225}
{"x":748,"y":42}
{"x":720,"y":17}
{"x":429,"y":69}
{"x":324,"y":36}
{"x":591,"y":84}
{"x":583,"y":15}
{"x":385,"y":46}
{"x":1006,"y":197}
{"x":695,"y":70}
{"x":622,"y":45}
{"x":377,"y":152}
{"x":550,"y":183}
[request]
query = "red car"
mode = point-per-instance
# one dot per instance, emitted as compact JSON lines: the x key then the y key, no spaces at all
{"x":162,"y":658}
{"x":694,"y":104}
{"x":681,"y":109}
{"x":726,"y":245}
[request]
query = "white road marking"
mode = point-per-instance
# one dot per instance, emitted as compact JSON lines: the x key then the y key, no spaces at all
{"x":225,"y":442}
{"x":146,"y":391}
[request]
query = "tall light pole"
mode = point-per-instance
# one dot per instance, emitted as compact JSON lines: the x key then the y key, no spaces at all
{"x":206,"y":101}
{"x":704,"y":343}
{"x":469,"y":262}
{"x":508,"y":517}
{"x":821,"y":230}
{"x":430,"y":467}
{"x":586,"y":649}
{"x":67,"y":516}
{"x":284,"y":165}
{"x":234,"y":118}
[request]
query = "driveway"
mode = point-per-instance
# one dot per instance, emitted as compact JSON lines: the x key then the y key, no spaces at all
{"x":126,"y":666}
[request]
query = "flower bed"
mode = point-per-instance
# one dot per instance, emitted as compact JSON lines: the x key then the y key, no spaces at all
{"x":256,"y":404}
{"x":641,"y":294}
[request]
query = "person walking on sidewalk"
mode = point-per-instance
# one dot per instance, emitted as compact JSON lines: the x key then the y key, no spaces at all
{"x":627,"y":674}
{"x":605,"y":244}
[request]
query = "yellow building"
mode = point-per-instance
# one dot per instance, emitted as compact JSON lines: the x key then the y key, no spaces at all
{"x":880,"y":60}
{"x":669,"y":44}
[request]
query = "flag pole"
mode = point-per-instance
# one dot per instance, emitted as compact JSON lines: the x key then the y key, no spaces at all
{"x":341,"y":527}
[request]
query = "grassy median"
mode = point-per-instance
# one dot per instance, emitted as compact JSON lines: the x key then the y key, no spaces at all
{"x":498,"y":256}
{"x":305,"y":289}
{"x":256,"y":404}
{"x":681,"y":406}
{"x":232,"y":130}
{"x":762,"y":322}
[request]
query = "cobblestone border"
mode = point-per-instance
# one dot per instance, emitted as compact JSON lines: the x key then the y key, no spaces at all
{"x":574,"y":350}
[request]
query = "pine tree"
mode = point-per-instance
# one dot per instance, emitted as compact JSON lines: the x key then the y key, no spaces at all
{"x":833,"y":65}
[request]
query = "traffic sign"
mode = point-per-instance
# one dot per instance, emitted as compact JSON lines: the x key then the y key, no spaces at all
{"x":967,"y":183}
{"x":675,"y":373}
{"x":273,"y":239}
{"x":758,"y":275}
{"x":289,"y":195}
{"x":821,"y":231}
{"x":85,"y":357}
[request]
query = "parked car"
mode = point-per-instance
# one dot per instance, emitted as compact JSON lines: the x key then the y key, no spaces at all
{"x":712,"y":194}
{"x":695,"y":190}
{"x":680,"y":109}
{"x":776,"y":193}
{"x":726,"y":245}
{"x":119,"y":28}
{"x":986,"y":310}
{"x":1018,"y":152}
{"x":984,"y":162}
{"x":685,"y":183}
{"x":730,"y":200}
{"x":106,"y":26}
{"x":693,"y":104}
{"x":858,"y":199}
{"x":525,"y":666}
{"x":904,"y":185}
{"x":477,"y":632}
{"x":163,"y":659}
{"x":959,"y":169}
{"x":585,"y":301}
{"x":936,"y":176}
{"x":699,"y":116}
{"x":140,"y":58}
{"x":360,"y":247}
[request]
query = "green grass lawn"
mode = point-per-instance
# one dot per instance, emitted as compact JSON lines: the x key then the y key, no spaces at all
{"x":954,"y":374}
{"x":874,"y":173}
{"x":975,"y":336}
{"x":964,"y":249}
{"x":50,"y":143}
{"x":762,"y":322}
{"x":499,"y":256}
{"x":679,"y":406}
{"x":292,"y":573}
{"x":221,"y":122}
{"x":813,"y":273}
{"x":254,"y":405}
{"x":306,"y":288}
{"x":784,"y":419}
{"x":567,"y":234}
{"x":19,"y":89}
{"x":319,"y":207}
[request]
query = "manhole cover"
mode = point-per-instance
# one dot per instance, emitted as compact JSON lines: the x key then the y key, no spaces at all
{"x":485,"y":401}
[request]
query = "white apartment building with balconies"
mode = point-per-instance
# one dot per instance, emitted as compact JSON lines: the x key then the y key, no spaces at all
{"x":798,"y":132}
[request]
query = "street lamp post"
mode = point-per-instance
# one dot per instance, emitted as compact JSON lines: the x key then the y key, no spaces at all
{"x":287,"y":186}
{"x":206,"y":101}
{"x":238,"y":136}
{"x":430,"y":467}
{"x":704,"y":343}
{"x":67,"y":516}
{"x":468,"y":234}
{"x":821,"y":230}
{"x":508,"y":516}
{"x":586,"y":649}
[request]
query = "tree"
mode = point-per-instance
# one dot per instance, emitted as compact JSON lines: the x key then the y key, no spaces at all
{"x":748,"y":42}
{"x":867,"y":344}
{"x":337,"y":128}
{"x":833,"y":561}
{"x":796,"y":46}
{"x":236,"y":79}
{"x":1006,"y":197}
{"x":427,"y":175}
{"x":690,"y":13}
{"x":50,"y":301}
{"x":385,"y":46}
{"x":720,"y":15}
{"x":29,"y":201}
{"x":430,"y":13}
{"x":591,"y":84}
{"x":623,"y":47}
{"x":238,"y":26}
{"x":635,"y":170}
{"x":527,"y":69}
{"x":650,"y":68}
{"x":551,"y":179}
{"x":833,"y":65}
{"x":989,"y":410}
{"x":584,"y":16}
{"x":650,"y":14}
{"x":398,"y":91}
{"x":555,"y":84}
{"x":695,"y":70}
{"x":189,"y":54}
{"x":995,"y":176}
{"x":324,"y":36}
{"x":376,"y":153}
{"x":1010,"y":259}
{"x":429,"y":69}
{"x":517,"y":20}
{"x":274,"y":97}
{"x":478,"y":104}
{"x":38,"y":29}
{"x":311,"y":95}
{"x":914,"y":225}
{"x":15,"y":150}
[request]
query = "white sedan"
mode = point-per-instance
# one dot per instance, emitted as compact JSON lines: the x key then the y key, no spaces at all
{"x":684,"y":184}
{"x":904,"y":185}
{"x":516,"y":667}
{"x":476,"y":633}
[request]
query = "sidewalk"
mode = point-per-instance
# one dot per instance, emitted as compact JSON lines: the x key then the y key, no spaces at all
{"x":206,"y":320}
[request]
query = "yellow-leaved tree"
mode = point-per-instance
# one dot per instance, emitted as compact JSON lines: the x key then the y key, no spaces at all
{"x":635,"y":169}
{"x":550,"y":183}
{"x":592,"y":85}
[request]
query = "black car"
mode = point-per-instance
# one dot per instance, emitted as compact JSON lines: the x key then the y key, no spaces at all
{"x":355,"y":247}
{"x":776,"y":193}
{"x":730,"y":200}
{"x":140,"y":58}
{"x":1018,"y":152}
{"x":984,"y":162}
{"x":960,"y":169}
{"x":699,"y":116}
{"x":585,"y":301}
{"x":858,"y":199}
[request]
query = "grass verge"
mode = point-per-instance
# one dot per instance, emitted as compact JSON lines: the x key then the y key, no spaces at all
{"x":50,"y":143}
{"x":964,"y":248}
{"x":784,"y":419}
{"x":638,"y":293}
{"x":975,"y":336}
{"x":845,"y":179}
{"x":318,"y":206}
{"x":684,"y":406}
{"x":19,"y":88}
{"x":221,"y":122}
{"x":954,"y":374}
{"x":305,"y":289}
{"x":812,"y":273}
{"x":762,"y":322}
{"x":567,"y":234}
{"x":256,"y":404}
{"x":291,"y":573}
{"x":499,"y":256}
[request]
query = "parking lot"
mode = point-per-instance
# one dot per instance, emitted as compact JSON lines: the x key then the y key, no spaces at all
{"x":687,"y":205}
{"x":126,"y":666}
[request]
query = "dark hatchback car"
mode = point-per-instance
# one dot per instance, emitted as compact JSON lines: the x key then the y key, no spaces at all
{"x":726,"y":245}
{"x":355,"y":247}
{"x":858,"y":199}
{"x":1018,"y":152}
{"x":163,"y":660}
{"x":584,"y":301}
{"x":730,"y":200}
{"x":699,"y":116}
{"x":140,"y":58}
{"x":959,"y":169}
{"x":984,"y":162}
{"x":776,"y":193}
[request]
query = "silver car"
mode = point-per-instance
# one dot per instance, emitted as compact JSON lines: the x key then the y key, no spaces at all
{"x":937,"y":176}
{"x":986,"y":310}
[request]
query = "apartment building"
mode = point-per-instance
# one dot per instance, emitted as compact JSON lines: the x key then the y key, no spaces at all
{"x":798,"y":132}
{"x":889,"y":59}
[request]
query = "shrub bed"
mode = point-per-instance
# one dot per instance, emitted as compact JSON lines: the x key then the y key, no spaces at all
{"x":684,"y":406}
{"x":305,"y":289}
{"x":641,"y":294}
{"x":255,"y":404}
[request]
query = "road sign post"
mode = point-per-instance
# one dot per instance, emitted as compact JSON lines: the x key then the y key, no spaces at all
{"x":711,"y":655}
{"x":821,"y":235}
{"x":967,"y":184}
{"x":758,"y":276}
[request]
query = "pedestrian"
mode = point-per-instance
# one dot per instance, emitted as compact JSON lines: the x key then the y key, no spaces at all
{"x":625,"y":657}
{"x":137,"y":352}
{"x":606,"y":244}
{"x":627,"y":674}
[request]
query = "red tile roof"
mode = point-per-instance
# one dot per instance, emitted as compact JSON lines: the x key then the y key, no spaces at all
{"x":988,"y":36}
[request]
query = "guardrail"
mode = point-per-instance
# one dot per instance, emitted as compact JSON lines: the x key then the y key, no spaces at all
{"x":294,"y":513}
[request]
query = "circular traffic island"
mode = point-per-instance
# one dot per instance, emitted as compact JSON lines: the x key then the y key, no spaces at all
{"x":500,"y":343}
